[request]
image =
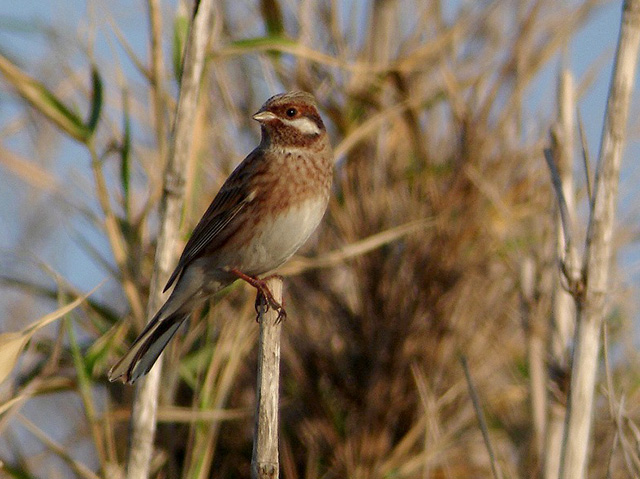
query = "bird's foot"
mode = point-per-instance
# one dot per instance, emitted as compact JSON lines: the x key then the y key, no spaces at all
{"x":264,"y":298}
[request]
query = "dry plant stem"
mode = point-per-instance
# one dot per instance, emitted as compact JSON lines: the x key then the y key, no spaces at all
{"x":563,"y":303}
{"x":535,"y":351}
{"x":616,"y":411}
{"x":143,"y":421}
{"x":562,"y":203}
{"x":299,"y":265}
{"x":233,"y":343}
{"x":265,"y":462}
{"x":114,"y":234}
{"x":482,"y":422}
{"x":157,"y":67}
{"x":591,"y":306}
{"x":585,"y":158}
{"x":77,"y":467}
{"x":563,"y":319}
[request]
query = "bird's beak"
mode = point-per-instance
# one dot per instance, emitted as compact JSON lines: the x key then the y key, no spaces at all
{"x":264,"y":116}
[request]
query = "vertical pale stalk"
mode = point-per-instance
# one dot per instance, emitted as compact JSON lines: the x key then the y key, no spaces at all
{"x":535,"y":352}
{"x":563,"y":320}
{"x":157,"y":72}
{"x":265,"y":461}
{"x":592,"y":303}
{"x":143,"y":421}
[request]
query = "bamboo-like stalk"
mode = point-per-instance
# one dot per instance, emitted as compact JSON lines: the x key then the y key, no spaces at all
{"x":265,"y":461}
{"x":563,"y":308}
{"x":592,"y":301}
{"x":143,"y":421}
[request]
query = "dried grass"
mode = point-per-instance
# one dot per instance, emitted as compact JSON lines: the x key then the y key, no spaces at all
{"x":440,"y":190}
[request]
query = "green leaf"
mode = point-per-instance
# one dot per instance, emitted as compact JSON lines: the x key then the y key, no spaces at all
{"x":180,"y":32}
{"x":44,"y":101}
{"x":96,"y":100}
{"x":17,"y":472}
{"x":98,"y":355}
{"x":272,"y":16}
{"x":82,"y":369}
{"x":262,"y":42}
{"x":125,"y":150}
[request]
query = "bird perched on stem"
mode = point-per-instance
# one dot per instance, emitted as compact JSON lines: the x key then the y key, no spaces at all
{"x":264,"y":212}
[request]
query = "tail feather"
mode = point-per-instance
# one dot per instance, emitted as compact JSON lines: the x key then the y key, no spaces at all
{"x":193,"y":287}
{"x":147,"y":347}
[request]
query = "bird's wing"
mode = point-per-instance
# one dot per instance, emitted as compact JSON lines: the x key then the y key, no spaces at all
{"x":230,"y":200}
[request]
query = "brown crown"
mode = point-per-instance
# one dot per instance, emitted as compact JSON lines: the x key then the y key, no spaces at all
{"x":289,"y":106}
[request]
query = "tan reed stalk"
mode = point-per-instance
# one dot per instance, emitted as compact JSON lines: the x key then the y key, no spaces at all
{"x":265,"y":463}
{"x":563,"y":308}
{"x":143,"y":421}
{"x":592,"y":301}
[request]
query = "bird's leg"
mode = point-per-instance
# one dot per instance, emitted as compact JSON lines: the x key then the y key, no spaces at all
{"x":264,"y":296}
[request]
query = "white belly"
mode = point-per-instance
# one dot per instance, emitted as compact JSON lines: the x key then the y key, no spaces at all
{"x":279,"y":239}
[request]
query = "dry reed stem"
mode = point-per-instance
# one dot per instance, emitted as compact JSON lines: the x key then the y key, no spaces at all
{"x":114,"y":234}
{"x":77,"y":467}
{"x":535,"y":352}
{"x":265,"y":460}
{"x":143,"y":422}
{"x":563,"y":318}
{"x":586,"y":161}
{"x":482,"y":422}
{"x":592,"y":305}
{"x":129,"y":50}
{"x":176,"y":414}
{"x":354,"y":410}
{"x":299,"y":264}
{"x":156,"y":72}
{"x":29,"y":172}
{"x":631,"y":458}
{"x":406,"y":64}
{"x":234,"y":342}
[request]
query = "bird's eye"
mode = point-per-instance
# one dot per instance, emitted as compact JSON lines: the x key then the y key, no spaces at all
{"x":291,"y":112}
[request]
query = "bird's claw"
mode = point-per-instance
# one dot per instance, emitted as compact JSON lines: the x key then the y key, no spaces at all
{"x":265,"y":301}
{"x":264,"y":298}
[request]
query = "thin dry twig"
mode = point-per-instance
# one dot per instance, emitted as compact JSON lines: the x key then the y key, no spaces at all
{"x":482,"y":422}
{"x":616,"y":411}
{"x":77,"y":467}
{"x":300,"y":264}
{"x":115,"y":236}
{"x":562,"y":202}
{"x":585,"y":158}
{"x":176,"y":414}
{"x":156,"y":76}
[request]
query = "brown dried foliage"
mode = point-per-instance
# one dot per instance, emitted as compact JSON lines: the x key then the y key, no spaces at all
{"x":429,"y":118}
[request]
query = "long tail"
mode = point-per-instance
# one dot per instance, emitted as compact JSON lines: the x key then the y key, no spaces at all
{"x":147,"y":347}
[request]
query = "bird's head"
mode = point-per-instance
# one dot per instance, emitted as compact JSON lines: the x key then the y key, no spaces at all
{"x":291,"y":119}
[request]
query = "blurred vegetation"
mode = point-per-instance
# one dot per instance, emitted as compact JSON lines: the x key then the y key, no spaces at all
{"x":428,"y":116}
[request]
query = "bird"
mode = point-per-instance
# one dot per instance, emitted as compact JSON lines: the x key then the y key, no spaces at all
{"x":264,"y":212}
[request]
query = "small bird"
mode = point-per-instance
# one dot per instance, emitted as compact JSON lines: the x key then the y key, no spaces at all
{"x":267,"y":208}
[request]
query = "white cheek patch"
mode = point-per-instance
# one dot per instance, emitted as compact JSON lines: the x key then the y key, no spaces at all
{"x":304,"y":125}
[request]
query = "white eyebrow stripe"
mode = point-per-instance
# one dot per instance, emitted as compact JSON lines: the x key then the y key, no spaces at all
{"x":304,"y":125}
